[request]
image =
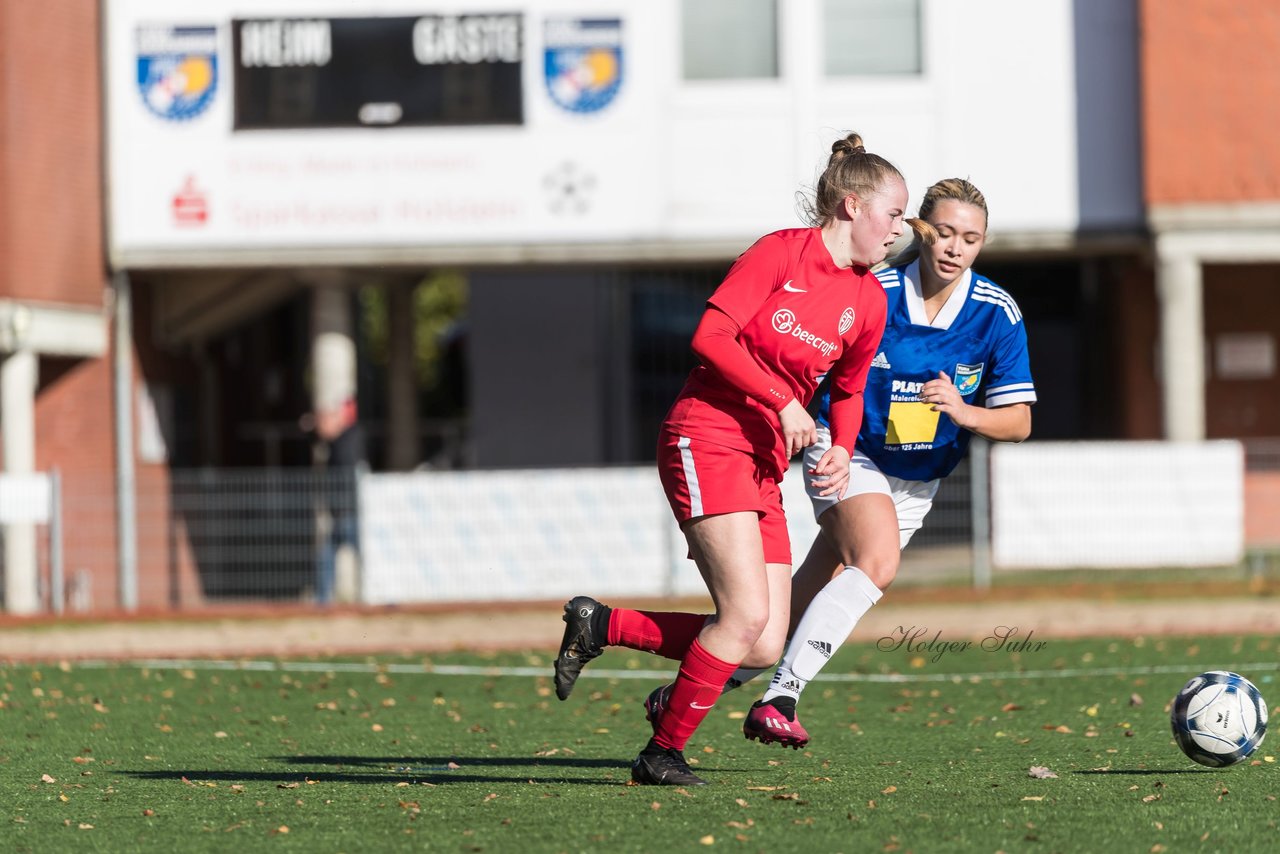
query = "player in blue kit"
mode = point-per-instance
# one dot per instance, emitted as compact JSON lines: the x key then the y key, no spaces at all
{"x":953,"y":362}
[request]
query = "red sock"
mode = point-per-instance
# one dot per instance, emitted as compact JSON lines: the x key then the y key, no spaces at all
{"x":663,"y":632}
{"x":696,"y":689}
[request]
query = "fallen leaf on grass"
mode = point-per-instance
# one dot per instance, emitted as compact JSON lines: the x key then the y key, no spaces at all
{"x":1149,"y":798}
{"x":278,"y":785}
{"x":1011,"y":707}
{"x":888,"y":790}
{"x":1033,"y":797}
{"x":1041,"y":773}
{"x":1135,"y":699}
{"x":749,"y":788}
{"x":45,"y":778}
{"x":789,"y":796}
{"x":84,"y":826}
{"x":707,"y":840}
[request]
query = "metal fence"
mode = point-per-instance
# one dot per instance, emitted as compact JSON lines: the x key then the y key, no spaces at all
{"x":204,"y":537}
{"x":216,"y":537}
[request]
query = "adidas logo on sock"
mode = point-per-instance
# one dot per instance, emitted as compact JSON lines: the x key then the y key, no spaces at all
{"x":822,"y":647}
{"x":880,"y":361}
{"x":788,"y":685}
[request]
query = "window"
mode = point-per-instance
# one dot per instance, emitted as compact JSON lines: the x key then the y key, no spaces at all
{"x":729,"y":39}
{"x":866,"y":37}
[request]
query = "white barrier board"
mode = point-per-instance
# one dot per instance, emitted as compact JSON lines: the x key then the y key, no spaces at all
{"x":535,"y":534}
{"x":25,"y":498}
{"x":1117,"y":504}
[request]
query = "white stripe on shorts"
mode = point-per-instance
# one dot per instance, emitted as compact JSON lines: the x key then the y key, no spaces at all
{"x":690,"y":477}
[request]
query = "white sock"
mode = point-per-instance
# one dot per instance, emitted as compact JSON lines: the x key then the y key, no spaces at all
{"x":826,"y":624}
{"x":741,"y":677}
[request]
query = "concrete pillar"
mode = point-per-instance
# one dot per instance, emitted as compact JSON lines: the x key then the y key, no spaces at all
{"x":18,"y":375}
{"x":333,"y":348}
{"x":402,"y":390}
{"x":123,"y":403}
{"x":1180,"y":288}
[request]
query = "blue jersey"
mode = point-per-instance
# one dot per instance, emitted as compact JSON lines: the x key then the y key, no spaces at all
{"x":977,"y":338}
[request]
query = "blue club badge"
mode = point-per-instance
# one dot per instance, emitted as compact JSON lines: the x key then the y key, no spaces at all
{"x":583,"y":62}
{"x":177,"y":69}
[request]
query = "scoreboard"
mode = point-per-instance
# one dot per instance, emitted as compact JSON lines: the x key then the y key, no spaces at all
{"x":368,"y":72}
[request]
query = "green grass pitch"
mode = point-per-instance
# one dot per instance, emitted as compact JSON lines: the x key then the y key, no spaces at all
{"x":913,"y":750}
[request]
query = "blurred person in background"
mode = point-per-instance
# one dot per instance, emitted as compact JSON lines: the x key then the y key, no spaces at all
{"x":953,"y":363}
{"x":798,"y":305}
{"x":341,"y":445}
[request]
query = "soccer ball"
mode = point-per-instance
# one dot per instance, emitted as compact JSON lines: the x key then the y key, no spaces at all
{"x":1219,"y":718}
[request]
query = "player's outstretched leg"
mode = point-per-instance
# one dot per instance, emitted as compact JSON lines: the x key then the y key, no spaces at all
{"x":586,"y":632}
{"x":663,"y":766}
{"x":775,"y":720}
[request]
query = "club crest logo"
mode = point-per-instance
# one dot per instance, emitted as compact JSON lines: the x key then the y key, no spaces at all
{"x":846,"y":321}
{"x":968,"y":377}
{"x":177,"y":69}
{"x":583,"y":62}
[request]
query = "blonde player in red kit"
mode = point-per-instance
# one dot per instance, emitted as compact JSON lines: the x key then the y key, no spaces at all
{"x":797,"y":305}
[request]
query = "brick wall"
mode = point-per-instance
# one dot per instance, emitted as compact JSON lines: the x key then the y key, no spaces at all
{"x":50,"y":177}
{"x":1211,"y":101}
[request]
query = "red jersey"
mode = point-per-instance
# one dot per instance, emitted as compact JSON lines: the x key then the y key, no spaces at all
{"x":800,"y":316}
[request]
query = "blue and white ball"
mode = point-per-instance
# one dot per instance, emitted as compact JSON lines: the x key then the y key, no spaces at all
{"x":1219,"y":718}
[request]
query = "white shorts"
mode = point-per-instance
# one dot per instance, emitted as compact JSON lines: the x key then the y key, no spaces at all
{"x":912,"y":499}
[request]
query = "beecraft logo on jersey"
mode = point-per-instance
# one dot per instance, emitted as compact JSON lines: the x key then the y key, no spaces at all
{"x":968,"y":377}
{"x":583,"y":62}
{"x":846,"y":320}
{"x":190,"y":205}
{"x":177,"y":69}
{"x":784,"y":321}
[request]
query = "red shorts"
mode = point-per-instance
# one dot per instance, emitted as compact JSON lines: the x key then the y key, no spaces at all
{"x":705,"y":479}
